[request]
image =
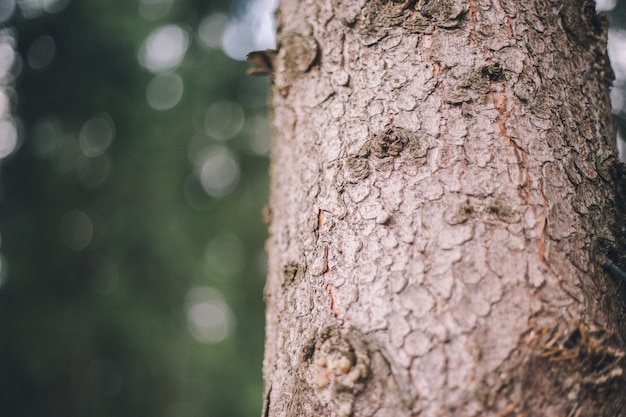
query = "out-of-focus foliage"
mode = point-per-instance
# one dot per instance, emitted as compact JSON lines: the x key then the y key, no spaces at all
{"x":132,"y":266}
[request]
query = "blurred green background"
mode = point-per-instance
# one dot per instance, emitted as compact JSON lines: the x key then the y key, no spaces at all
{"x":132,"y":260}
{"x":133,"y":171}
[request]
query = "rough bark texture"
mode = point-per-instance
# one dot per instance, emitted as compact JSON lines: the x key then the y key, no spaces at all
{"x":443,"y":193}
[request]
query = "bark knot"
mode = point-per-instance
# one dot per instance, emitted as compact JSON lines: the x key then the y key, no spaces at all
{"x":389,"y":143}
{"x":338,"y":368}
{"x":446,"y":13}
{"x":493,"y":72}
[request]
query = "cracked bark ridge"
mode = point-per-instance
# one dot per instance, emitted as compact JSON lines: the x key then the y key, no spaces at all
{"x":444,"y":187}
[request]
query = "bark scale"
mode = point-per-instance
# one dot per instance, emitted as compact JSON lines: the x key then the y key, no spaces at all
{"x":443,"y":195}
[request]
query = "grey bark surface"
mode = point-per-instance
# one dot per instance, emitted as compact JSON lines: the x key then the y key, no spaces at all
{"x":443,"y":195}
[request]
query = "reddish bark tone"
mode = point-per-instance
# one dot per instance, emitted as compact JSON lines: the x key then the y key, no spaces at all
{"x":443,"y":195}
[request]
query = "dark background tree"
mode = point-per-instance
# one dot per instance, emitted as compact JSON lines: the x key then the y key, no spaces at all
{"x":102,"y":247}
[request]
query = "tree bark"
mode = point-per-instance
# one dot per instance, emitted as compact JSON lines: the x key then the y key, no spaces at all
{"x":443,"y":196}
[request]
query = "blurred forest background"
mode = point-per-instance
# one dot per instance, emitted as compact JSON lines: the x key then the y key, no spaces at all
{"x":133,"y":175}
{"x":133,"y":171}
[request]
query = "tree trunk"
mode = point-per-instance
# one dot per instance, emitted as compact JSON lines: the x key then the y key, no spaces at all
{"x":443,"y":193}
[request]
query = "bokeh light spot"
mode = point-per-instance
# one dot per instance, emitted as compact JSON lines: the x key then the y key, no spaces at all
{"x":41,"y":52}
{"x":54,"y":6}
{"x":238,"y":40}
{"x":259,"y":133}
{"x":165,"y":91}
{"x":223,"y":120}
{"x":617,"y":52}
{"x":30,"y":8}
{"x":7,"y":7}
{"x":211,"y":30}
{"x":605,"y":5}
{"x":7,"y":55}
{"x":8,"y":138}
{"x":4,"y":104}
{"x":35,"y":8}
{"x":254,"y":30}
{"x":96,"y":135}
{"x":618,"y":101}
{"x":164,"y":49}
{"x":76,"y":230}
{"x":209,"y":318}
{"x":219,"y":172}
